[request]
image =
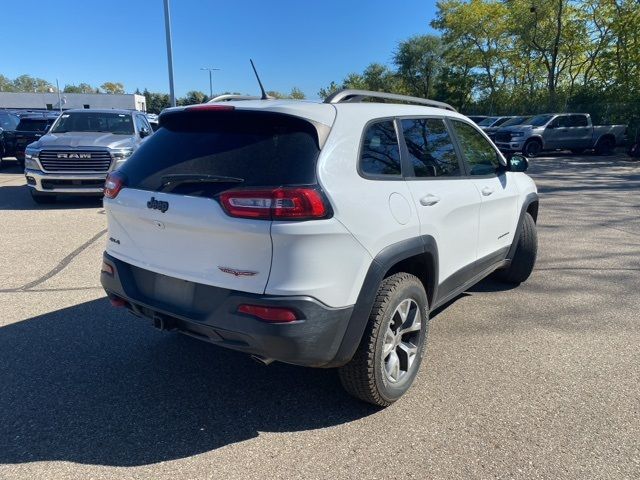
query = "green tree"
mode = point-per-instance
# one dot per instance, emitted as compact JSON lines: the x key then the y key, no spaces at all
{"x":6,"y":85}
{"x":156,"y":102}
{"x":192,"y":97}
{"x":27,"y":83}
{"x":297,"y":94}
{"x":419,"y":62}
{"x":80,"y":88}
{"x":112,"y":87}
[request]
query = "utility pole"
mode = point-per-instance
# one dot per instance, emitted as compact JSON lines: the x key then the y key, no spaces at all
{"x":210,"y":80}
{"x":59,"y":98}
{"x":167,"y":27}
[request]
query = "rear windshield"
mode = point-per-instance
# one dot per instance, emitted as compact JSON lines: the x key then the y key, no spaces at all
{"x":32,"y":125}
{"x":116,"y":123}
{"x":204,"y":153}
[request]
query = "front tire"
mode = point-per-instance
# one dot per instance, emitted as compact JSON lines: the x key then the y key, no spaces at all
{"x":532,"y":148}
{"x":525,"y":257}
{"x":389,"y":355}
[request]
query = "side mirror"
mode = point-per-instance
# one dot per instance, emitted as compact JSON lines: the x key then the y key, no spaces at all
{"x":517,"y":163}
{"x":144,"y":133}
{"x":551,"y":126}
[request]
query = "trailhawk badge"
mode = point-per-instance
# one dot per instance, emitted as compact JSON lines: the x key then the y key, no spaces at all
{"x":237,"y":273}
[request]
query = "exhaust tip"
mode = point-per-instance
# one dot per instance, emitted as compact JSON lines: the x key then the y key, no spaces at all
{"x":263,"y":360}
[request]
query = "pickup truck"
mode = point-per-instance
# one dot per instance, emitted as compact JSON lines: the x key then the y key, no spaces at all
{"x":566,"y":131}
{"x":80,"y":149}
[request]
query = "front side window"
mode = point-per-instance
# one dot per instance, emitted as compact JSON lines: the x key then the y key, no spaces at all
{"x":430,"y":148}
{"x":380,"y":151}
{"x":479,"y":154}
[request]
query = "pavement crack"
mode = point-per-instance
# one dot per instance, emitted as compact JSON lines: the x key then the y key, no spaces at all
{"x":59,"y":267}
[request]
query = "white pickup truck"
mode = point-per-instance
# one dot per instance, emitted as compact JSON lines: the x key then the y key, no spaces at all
{"x":568,"y":131}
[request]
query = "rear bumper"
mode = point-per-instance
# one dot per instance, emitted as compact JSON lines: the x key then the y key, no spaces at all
{"x":66,"y":183}
{"x":210,"y":313}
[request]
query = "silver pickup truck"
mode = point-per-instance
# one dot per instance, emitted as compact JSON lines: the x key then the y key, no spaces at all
{"x":80,"y":149}
{"x":567,"y":131}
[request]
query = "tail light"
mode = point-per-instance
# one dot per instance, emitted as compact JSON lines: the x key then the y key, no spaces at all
{"x":269,"y":314}
{"x":113,"y":184}
{"x":290,"y":203}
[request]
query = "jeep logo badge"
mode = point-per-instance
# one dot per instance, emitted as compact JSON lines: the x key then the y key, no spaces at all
{"x":158,"y":205}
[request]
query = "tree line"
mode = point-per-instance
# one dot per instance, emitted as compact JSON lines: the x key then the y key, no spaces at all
{"x":155,"y":101}
{"x":520,"y":57}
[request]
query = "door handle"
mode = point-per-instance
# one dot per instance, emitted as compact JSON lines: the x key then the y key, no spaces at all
{"x":429,"y":200}
{"x":486,"y":191}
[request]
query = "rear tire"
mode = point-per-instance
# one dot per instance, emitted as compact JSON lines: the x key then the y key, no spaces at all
{"x":605,"y":146}
{"x":42,"y":199}
{"x":525,"y":257}
{"x":532,"y":148}
{"x":390,"y":352}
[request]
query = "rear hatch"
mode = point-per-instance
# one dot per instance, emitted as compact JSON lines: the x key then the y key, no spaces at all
{"x":168,"y":217}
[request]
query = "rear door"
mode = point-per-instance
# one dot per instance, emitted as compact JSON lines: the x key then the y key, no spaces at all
{"x":580,"y":131}
{"x":168,"y":218}
{"x":497,"y":188}
{"x":448,"y":204}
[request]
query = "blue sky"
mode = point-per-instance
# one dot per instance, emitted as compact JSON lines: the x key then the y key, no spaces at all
{"x":293,"y":43}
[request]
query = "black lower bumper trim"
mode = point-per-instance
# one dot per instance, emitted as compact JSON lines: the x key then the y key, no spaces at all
{"x":210,"y":313}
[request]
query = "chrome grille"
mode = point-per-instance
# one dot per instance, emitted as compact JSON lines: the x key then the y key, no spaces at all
{"x":75,"y":160}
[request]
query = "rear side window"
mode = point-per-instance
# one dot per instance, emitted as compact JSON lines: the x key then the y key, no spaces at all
{"x":32,"y":125}
{"x":578,"y":121}
{"x":213,"y":151}
{"x":430,"y":148}
{"x":479,"y":154}
{"x":380,"y":155}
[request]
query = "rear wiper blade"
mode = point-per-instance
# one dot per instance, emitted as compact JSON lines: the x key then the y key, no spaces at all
{"x":173,"y":181}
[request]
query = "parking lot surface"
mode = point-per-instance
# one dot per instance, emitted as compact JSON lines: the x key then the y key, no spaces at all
{"x":539,"y":381}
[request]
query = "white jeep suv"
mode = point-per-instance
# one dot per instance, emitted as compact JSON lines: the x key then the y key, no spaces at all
{"x":317,"y":234}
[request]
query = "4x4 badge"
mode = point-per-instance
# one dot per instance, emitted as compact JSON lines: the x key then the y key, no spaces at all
{"x":158,"y":205}
{"x":237,"y":273}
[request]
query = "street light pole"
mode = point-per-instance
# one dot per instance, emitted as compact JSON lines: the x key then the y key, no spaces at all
{"x":210,"y":80}
{"x":167,"y":27}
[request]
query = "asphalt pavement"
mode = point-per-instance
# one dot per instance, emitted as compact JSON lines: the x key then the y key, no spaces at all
{"x":539,"y":381}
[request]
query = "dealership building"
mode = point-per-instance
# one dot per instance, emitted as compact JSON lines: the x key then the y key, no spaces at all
{"x":51,"y":101}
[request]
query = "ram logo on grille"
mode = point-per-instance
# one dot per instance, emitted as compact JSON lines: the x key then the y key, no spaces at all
{"x":74,"y":155}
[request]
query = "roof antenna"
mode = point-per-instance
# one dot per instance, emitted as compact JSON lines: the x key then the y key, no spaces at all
{"x":264,"y":94}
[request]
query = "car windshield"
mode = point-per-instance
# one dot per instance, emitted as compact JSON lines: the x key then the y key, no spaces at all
{"x":487,"y":122}
{"x":116,"y":123}
{"x":500,"y":121}
{"x":32,"y":125}
{"x":514,"y":121}
{"x":538,"y":120}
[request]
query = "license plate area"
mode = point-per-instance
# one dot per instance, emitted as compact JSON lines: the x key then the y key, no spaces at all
{"x":174,"y":291}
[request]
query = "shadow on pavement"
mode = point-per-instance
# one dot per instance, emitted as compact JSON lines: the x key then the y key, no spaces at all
{"x":94,"y":385}
{"x":17,"y":197}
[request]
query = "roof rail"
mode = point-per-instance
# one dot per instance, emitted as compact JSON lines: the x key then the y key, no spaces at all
{"x":353,"y":96}
{"x":227,"y":98}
